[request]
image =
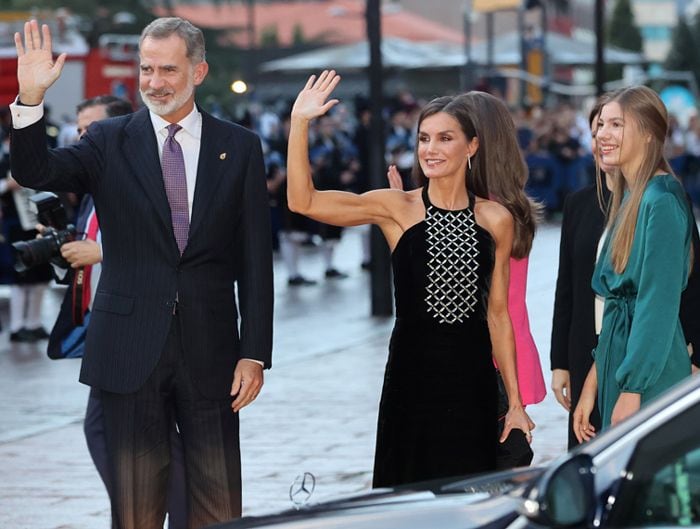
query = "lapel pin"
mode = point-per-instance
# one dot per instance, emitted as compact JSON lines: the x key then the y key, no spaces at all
{"x":222,"y":156}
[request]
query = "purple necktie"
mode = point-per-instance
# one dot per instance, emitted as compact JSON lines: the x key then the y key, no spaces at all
{"x":176,"y":186}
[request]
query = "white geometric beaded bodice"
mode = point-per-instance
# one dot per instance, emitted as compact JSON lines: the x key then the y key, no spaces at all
{"x":451,"y":292}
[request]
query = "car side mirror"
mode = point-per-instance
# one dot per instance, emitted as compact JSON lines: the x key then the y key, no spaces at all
{"x":564,"y":496}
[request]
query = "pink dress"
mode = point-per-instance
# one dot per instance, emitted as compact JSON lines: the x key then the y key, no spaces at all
{"x":530,"y":379}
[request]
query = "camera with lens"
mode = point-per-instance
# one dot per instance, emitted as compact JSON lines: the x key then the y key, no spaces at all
{"x":34,"y":252}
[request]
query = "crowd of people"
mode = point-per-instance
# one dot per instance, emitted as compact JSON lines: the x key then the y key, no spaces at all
{"x":555,"y":144}
{"x":177,"y":216}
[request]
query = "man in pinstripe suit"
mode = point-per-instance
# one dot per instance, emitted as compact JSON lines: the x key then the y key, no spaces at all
{"x":182,"y":206}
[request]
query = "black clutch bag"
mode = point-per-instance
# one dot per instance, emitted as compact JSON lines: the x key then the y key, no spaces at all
{"x":515,"y":451}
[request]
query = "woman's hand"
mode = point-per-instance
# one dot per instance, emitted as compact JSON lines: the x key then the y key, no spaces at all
{"x":583,"y":429}
{"x":626,"y":405}
{"x":394,"y":178}
{"x":313,"y":101}
{"x":561,"y":386}
{"x":11,"y":184}
{"x":517,"y":418}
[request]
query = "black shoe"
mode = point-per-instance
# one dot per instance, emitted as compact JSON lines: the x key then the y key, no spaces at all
{"x":39,"y":333}
{"x":23,"y":335}
{"x":332,"y":273}
{"x":300,"y":281}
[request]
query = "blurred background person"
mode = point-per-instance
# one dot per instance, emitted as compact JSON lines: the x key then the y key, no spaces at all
{"x":574,"y":326}
{"x":29,"y":286}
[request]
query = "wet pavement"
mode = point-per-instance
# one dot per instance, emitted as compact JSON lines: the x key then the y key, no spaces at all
{"x":317,"y":412}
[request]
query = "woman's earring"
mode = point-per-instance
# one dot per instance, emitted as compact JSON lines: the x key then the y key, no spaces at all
{"x":469,"y":162}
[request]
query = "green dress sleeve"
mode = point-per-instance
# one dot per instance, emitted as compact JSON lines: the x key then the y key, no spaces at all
{"x":662,"y":278}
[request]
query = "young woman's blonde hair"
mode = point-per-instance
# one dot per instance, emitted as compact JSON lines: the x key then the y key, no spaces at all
{"x":641,"y":108}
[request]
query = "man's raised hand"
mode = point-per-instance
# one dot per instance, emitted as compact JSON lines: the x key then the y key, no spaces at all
{"x":36,"y":68}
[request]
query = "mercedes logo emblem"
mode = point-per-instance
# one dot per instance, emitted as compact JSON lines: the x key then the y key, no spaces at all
{"x":302,"y":488}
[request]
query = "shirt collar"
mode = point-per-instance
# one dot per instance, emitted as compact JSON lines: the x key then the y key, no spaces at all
{"x":191,"y":123}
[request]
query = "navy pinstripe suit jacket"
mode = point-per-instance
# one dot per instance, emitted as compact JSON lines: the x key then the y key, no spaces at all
{"x":228,"y":249}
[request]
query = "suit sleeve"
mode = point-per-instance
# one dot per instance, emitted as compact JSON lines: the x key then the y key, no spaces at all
{"x":72,"y":168}
{"x":563,"y":297}
{"x":662,"y":278}
{"x":255,"y":281}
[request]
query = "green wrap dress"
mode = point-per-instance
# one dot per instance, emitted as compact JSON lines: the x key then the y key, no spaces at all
{"x":641,"y":348}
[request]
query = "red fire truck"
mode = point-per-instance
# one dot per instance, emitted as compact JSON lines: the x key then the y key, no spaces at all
{"x":109,"y":68}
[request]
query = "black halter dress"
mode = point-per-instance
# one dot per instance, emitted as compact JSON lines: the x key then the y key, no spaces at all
{"x":438,"y":416}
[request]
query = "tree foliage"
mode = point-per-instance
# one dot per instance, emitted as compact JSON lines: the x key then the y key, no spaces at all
{"x":269,"y":36}
{"x":298,"y":35}
{"x":684,"y":43}
{"x":623,"y":32}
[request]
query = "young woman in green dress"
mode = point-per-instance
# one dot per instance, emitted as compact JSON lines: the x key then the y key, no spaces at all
{"x":643,"y":266}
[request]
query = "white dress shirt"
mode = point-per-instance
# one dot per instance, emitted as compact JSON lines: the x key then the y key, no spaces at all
{"x":599,"y":302}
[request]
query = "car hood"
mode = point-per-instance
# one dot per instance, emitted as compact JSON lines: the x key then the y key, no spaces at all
{"x":490,"y":500}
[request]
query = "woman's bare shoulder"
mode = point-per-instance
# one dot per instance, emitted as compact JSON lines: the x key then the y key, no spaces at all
{"x":494,"y":217}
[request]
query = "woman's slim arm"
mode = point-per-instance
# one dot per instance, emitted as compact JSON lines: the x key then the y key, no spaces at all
{"x":582,"y":427}
{"x":500,"y":225}
{"x":332,"y":207}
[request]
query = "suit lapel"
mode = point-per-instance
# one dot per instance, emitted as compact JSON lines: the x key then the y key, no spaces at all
{"x":141,"y":152}
{"x":214,"y":155}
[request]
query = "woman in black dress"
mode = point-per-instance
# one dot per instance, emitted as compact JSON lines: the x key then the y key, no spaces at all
{"x":450,"y":254}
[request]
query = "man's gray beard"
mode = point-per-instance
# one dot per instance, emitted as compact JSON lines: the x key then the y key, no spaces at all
{"x":167,"y":108}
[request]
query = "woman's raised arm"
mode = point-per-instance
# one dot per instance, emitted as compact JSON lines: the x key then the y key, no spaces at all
{"x":331,"y":207}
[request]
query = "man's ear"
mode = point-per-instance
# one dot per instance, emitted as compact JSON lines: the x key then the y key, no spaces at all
{"x":200,"y":72}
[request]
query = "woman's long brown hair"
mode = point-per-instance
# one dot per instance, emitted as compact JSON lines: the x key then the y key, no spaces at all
{"x":500,"y":168}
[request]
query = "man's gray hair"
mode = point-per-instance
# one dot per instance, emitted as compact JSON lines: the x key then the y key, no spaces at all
{"x":162,"y":28}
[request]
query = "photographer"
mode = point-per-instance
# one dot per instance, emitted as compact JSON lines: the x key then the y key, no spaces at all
{"x":28,"y":287}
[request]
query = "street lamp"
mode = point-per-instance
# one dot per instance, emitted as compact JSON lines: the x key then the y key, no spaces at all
{"x":250,"y":30}
{"x":599,"y":47}
{"x":239,"y":87}
{"x":468,"y":69}
{"x":381,"y":261}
